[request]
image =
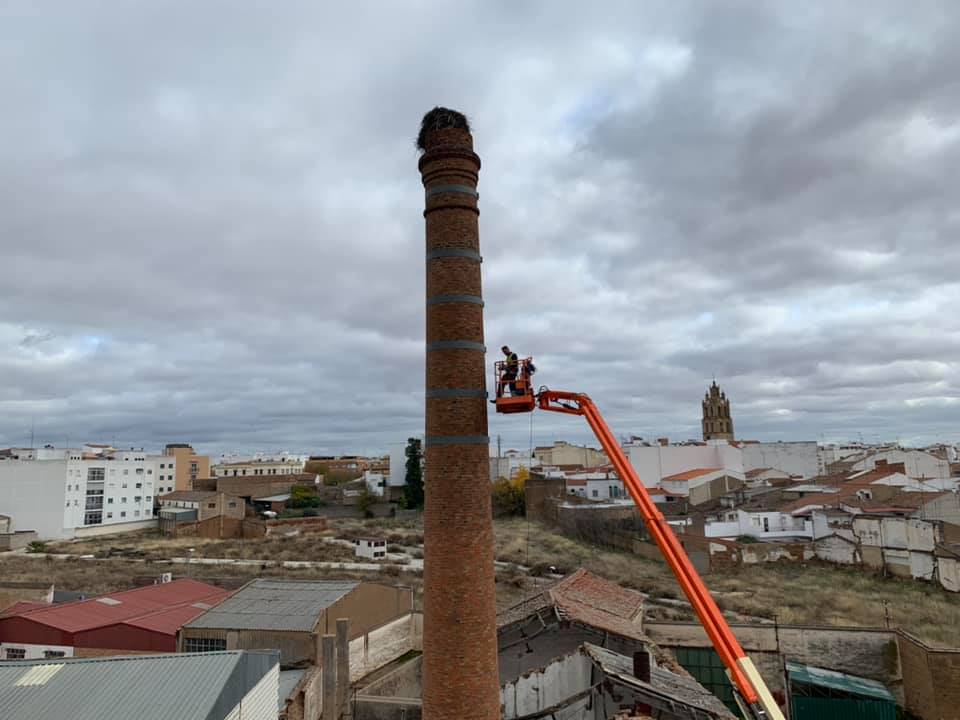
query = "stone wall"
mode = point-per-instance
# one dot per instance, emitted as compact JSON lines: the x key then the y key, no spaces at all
{"x":931,"y":678}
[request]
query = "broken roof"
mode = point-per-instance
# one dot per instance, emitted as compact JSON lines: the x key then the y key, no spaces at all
{"x":675,"y":687}
{"x":585,"y":598}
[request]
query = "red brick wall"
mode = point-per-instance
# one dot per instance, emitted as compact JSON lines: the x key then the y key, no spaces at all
{"x":460,"y":671}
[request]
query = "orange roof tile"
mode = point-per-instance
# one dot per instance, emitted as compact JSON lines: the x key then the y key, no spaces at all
{"x":690,"y":474}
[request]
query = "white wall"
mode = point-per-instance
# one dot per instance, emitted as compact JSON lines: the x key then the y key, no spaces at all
{"x":540,"y":689}
{"x":34,"y":652}
{"x":262,"y":700}
{"x":656,"y":462}
{"x":32,"y":494}
{"x":918,"y":464}
{"x":795,"y":458}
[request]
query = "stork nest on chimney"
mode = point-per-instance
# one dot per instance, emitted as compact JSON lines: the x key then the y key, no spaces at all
{"x":440,"y":118}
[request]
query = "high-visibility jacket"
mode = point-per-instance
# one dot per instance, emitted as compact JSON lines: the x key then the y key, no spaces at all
{"x":513,"y":363}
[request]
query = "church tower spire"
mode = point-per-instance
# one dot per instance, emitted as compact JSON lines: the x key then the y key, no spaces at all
{"x":717,"y":423}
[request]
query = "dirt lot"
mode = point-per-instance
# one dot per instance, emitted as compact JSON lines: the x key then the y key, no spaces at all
{"x":815,"y":594}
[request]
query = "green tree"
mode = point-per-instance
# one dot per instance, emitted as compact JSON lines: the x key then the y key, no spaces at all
{"x":366,"y":501}
{"x":413,"y":490}
{"x":303,"y":497}
{"x":509,"y":496}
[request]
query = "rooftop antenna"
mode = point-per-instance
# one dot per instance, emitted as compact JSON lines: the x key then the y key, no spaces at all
{"x":33,"y":425}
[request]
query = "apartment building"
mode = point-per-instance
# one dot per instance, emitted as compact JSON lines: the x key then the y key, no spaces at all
{"x":256,"y":466}
{"x":187,"y":465}
{"x":61,"y":494}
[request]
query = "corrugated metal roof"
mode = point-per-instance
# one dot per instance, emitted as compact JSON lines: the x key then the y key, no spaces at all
{"x":124,"y":606}
{"x":809,"y":675}
{"x":186,"y":686}
{"x":274,"y":605}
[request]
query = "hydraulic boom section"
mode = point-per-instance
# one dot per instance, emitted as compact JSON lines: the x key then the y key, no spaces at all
{"x":753,"y":695}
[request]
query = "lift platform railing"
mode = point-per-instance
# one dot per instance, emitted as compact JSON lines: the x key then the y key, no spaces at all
{"x":522,"y":382}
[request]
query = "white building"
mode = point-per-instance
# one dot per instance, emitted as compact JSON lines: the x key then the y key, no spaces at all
{"x":398,"y":463}
{"x":370,"y":548}
{"x":257,"y":466}
{"x":918,"y":463}
{"x":766,"y":525}
{"x":655,"y":462}
{"x":376,"y":482}
{"x":84,"y":494}
{"x":800,"y":459}
{"x":595,"y":485}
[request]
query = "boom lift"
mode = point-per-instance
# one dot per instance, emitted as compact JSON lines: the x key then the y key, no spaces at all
{"x":752,"y":694}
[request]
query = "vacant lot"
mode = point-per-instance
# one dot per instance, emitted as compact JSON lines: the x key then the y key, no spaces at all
{"x":815,"y":594}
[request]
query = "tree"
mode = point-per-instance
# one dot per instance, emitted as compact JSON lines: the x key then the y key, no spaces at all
{"x":303,"y":497}
{"x":509,"y":496}
{"x":413,"y":490}
{"x":366,"y":501}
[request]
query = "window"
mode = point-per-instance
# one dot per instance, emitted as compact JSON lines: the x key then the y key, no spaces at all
{"x":109,"y":501}
{"x":54,"y":654}
{"x":137,"y":498}
{"x":93,"y":518}
{"x":95,"y":475}
{"x":138,"y":485}
{"x":123,"y":499}
{"x":16,"y":653}
{"x":201,"y":644}
{"x":162,"y":466}
{"x":109,"y":516}
{"x":126,"y":471}
{"x":596,"y":493}
{"x":68,"y":503}
{"x":211,"y":505}
{"x":149,"y":471}
{"x":148,"y":498}
{"x":233,"y":504}
{"x":123,"y":514}
{"x":136,"y":513}
{"x":139,"y":471}
{"x":113,"y":471}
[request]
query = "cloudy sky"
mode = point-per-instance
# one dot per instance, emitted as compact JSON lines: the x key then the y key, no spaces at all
{"x":210,"y":215}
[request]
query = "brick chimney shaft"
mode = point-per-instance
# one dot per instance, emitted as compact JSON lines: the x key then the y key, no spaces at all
{"x":460,"y":668}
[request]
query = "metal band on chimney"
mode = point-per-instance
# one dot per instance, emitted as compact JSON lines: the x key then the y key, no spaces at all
{"x":460,"y":189}
{"x":457,"y":440}
{"x":454,"y":253}
{"x":440,"y":299}
{"x":456,"y":393}
{"x":456,"y":345}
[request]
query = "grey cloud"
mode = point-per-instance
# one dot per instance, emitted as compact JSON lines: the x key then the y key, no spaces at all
{"x":214,"y":214}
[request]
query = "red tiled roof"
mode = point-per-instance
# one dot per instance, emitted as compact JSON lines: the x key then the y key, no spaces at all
{"x":690,"y":474}
{"x":585,"y":598}
{"x":126,"y":606}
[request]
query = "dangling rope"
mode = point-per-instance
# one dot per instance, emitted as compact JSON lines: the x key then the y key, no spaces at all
{"x":526,"y":516}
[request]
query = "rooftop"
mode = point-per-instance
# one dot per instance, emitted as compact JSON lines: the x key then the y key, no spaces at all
{"x":186,"y":686}
{"x":691,"y":474}
{"x":264,"y":604}
{"x":162,"y":607}
{"x":586,"y":598}
{"x":677,"y":687}
{"x":189,"y":495}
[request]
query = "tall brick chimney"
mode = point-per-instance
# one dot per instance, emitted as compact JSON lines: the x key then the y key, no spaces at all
{"x":460,"y":670}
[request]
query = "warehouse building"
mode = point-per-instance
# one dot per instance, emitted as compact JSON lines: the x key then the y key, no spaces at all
{"x":198,"y":686}
{"x":287,"y":615}
{"x":145,"y":619}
